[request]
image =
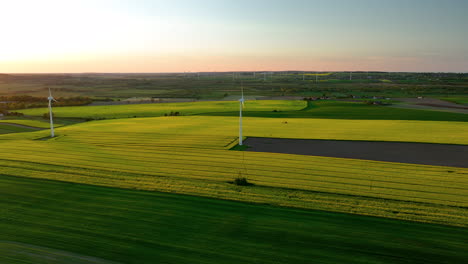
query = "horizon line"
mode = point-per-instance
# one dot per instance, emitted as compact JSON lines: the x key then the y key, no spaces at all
{"x":185,"y":72}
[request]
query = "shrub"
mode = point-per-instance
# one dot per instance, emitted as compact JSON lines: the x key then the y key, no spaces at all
{"x":241,"y":181}
{"x":46,"y":115}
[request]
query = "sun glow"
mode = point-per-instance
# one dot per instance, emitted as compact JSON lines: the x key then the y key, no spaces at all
{"x":51,"y":30}
{"x":168,"y":36}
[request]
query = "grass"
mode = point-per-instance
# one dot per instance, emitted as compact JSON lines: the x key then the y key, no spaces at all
{"x":48,"y":221}
{"x":306,"y":128}
{"x":261,"y":108}
{"x":351,"y":110}
{"x":30,"y":123}
{"x":151,"y":110}
{"x":7,"y":129}
{"x":457,"y":100}
{"x":189,"y":155}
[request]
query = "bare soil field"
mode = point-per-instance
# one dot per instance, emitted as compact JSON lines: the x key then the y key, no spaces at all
{"x":416,"y":153}
{"x":430,"y":104}
{"x":431,"y":101}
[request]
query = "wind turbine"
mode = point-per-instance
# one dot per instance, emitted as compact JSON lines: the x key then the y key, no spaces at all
{"x":50,"y":98}
{"x":241,"y":105}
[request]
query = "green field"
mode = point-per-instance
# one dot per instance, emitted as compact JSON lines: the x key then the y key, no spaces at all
{"x":263,"y":108}
{"x":54,"y":222}
{"x":29,"y":123}
{"x":350,"y":110}
{"x":150,"y":110}
{"x":7,"y":129}
{"x":307,"y":128}
{"x":189,"y":155}
{"x":159,"y":189}
{"x":457,"y":100}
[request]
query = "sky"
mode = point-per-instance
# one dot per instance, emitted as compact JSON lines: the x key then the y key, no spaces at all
{"x":65,"y":36}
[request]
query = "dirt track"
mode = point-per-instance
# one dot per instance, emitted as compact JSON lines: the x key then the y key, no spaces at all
{"x":416,"y":153}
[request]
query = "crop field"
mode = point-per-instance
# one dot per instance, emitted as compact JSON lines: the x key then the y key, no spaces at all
{"x":173,"y":154}
{"x":458,"y":100}
{"x":7,"y":129}
{"x":140,"y":190}
{"x":224,"y":132}
{"x":261,"y":108}
{"x":350,"y":110}
{"x":301,"y":128}
{"x":29,"y":123}
{"x":55,"y":222}
{"x":150,"y":110}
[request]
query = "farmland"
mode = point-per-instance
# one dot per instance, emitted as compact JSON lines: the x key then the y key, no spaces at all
{"x":217,"y":85}
{"x":161,"y":188}
{"x":76,"y":223}
{"x":261,"y":108}
{"x":22,"y":125}
{"x":28,"y":123}
{"x":351,"y":110}
{"x":189,"y":155}
{"x":6,"y":129}
{"x":237,"y":132}
{"x":150,"y":110}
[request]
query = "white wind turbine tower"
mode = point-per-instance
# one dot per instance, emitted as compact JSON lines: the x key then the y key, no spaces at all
{"x":241,"y":105}
{"x":50,"y":98}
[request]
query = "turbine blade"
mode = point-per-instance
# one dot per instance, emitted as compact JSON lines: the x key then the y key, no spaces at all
{"x":242,"y":100}
{"x":242,"y":89}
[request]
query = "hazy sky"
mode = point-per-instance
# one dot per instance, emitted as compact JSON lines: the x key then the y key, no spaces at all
{"x":219,"y":35}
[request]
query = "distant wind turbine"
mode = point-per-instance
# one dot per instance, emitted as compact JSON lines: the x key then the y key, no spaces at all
{"x":50,"y":98}
{"x":241,"y":106}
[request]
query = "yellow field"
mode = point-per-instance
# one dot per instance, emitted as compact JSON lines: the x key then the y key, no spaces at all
{"x":307,"y":128}
{"x":189,"y":155}
{"x":148,"y":110}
